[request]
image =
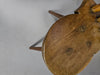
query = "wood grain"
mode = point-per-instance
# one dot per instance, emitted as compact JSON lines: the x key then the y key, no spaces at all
{"x":72,"y":41}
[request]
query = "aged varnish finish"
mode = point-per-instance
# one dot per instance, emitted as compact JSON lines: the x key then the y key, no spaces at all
{"x":73,"y":40}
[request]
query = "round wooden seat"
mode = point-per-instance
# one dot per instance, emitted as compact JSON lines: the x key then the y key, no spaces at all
{"x":72,"y":41}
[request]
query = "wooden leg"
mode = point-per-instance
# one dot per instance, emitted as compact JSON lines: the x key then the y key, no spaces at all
{"x":96,"y":10}
{"x":36,"y":48}
{"x":55,"y":14}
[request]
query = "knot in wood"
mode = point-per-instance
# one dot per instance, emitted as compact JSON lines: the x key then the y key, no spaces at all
{"x":69,"y":51}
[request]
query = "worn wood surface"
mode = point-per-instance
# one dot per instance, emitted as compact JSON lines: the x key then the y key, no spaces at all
{"x":72,"y":41}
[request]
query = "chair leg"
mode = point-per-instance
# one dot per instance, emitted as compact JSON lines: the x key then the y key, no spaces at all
{"x":36,"y":48}
{"x":96,"y":10}
{"x":55,"y":14}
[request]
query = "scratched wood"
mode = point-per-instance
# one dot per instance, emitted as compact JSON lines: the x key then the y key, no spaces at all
{"x":72,"y":41}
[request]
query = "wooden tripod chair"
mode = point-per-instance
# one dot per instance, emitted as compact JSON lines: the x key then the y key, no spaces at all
{"x":72,"y":41}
